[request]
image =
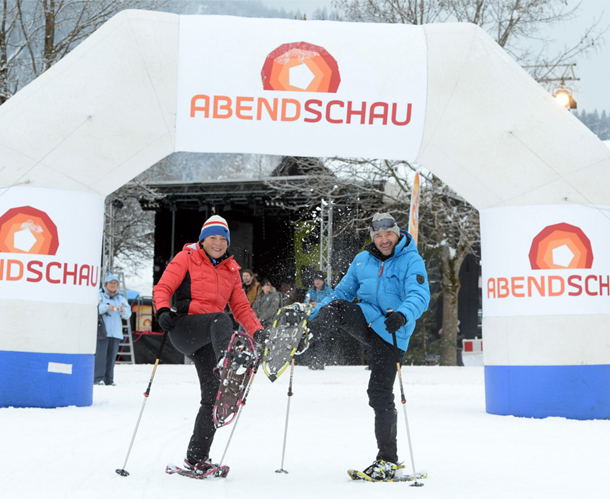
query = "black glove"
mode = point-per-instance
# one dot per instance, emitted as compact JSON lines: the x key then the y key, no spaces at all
{"x":166,"y":320}
{"x":260,"y":339}
{"x":394,"y":321}
{"x":261,"y":336}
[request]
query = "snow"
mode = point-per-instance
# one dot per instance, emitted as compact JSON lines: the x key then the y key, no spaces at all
{"x":73,"y":452}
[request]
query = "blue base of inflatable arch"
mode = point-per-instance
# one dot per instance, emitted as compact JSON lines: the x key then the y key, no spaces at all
{"x":573,"y":392}
{"x":45,"y":379}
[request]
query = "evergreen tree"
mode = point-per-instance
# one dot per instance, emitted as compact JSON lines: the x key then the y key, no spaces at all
{"x":598,"y":124}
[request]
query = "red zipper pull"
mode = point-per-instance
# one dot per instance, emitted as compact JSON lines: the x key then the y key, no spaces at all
{"x":380,"y":270}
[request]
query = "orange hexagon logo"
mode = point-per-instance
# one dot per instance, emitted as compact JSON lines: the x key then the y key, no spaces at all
{"x":561,"y":246}
{"x":301,"y":67}
{"x":28,"y":230}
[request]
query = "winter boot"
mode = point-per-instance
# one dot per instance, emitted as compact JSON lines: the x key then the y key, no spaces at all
{"x":316,"y":365}
{"x":205,"y":467}
{"x":383,"y":470}
{"x":241,"y":359}
{"x":217,"y":371}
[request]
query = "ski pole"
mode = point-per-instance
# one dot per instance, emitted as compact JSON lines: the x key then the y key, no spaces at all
{"x":243,"y":402}
{"x":282,"y":470}
{"x":122,"y":471}
{"x":403,"y":400}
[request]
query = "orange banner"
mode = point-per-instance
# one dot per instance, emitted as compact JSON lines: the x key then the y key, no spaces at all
{"x":414,"y":211}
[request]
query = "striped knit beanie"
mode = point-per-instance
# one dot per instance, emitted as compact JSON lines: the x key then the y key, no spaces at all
{"x":215,"y":225}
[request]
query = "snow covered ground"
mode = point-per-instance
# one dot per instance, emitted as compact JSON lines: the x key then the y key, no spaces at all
{"x":73,"y":452}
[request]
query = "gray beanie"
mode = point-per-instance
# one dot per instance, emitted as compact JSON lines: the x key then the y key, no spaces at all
{"x":384,"y":216}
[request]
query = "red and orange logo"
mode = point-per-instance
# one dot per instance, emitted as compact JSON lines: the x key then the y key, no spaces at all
{"x":28,"y":230}
{"x":561,"y":246}
{"x":301,"y":67}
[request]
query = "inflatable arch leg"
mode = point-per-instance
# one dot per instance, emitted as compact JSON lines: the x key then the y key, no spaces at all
{"x":546,"y":297}
{"x":50,"y":248}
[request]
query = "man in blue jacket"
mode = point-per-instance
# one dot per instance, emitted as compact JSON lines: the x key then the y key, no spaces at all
{"x":319,"y":291}
{"x":390,"y":281}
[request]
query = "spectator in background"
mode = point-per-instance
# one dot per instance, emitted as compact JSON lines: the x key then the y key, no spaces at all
{"x":288,"y":294}
{"x":267,"y":303}
{"x":251,"y":285}
{"x":113,"y":307}
{"x":319,"y":291}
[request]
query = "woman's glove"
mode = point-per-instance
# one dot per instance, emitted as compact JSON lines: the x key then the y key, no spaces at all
{"x":260,"y":339}
{"x":166,"y":319}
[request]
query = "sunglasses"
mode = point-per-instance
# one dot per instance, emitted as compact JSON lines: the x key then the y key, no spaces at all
{"x":385,"y":224}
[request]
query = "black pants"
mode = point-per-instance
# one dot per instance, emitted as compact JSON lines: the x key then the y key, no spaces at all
{"x":344,"y":317}
{"x":203,"y":338}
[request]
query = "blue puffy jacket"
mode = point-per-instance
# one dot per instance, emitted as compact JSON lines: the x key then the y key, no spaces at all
{"x":112,"y":320}
{"x":400,"y":283}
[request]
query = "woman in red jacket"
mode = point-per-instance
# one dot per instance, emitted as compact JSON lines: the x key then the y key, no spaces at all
{"x":203,"y":278}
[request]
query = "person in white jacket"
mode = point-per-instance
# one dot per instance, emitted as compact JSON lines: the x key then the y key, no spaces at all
{"x":112,"y":307}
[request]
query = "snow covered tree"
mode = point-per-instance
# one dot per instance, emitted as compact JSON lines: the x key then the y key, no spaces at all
{"x":128,"y":229}
{"x":598,"y":124}
{"x":8,"y":53}
{"x":35,"y":34}
{"x":450,"y":226}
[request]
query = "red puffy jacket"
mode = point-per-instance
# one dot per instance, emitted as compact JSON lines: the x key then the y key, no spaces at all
{"x":202,"y":288}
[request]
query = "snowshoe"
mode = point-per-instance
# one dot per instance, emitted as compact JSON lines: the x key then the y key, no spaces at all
{"x":359,"y":475}
{"x":379,"y":471}
{"x":288,"y":336}
{"x":235,"y":373}
{"x":385,"y":471}
{"x":203,"y":469}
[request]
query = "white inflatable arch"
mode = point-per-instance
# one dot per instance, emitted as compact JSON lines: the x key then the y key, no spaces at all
{"x":148,"y":84}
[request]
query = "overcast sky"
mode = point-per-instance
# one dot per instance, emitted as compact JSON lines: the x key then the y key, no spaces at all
{"x":591,"y":92}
